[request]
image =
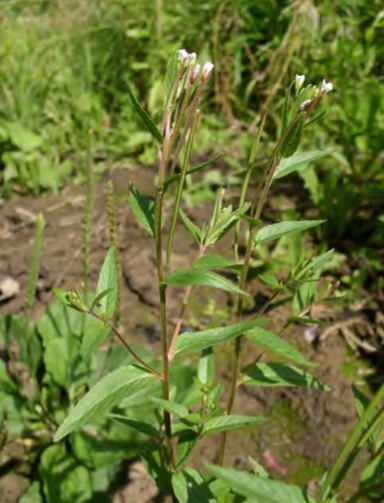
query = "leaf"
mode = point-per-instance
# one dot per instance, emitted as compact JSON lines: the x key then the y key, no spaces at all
{"x":120,"y":384}
{"x":233,"y":422}
{"x":275,"y":345}
{"x":202,"y":277}
{"x":257,"y":468}
{"x":171,"y":74}
{"x":293,"y":138}
{"x":211,"y":262}
{"x":175,"y":408}
{"x":177,"y":176}
{"x":299,"y":162}
{"x":140,"y":426}
{"x":24,"y":139}
{"x":108,"y":281}
{"x":276,"y":231}
{"x":279,"y":374}
{"x":190,"y":342}
{"x":362,"y":402}
{"x":317,"y":263}
{"x":143,"y":208}
{"x":150,"y":125}
{"x":32,"y":494}
{"x":57,"y":360}
{"x":224,"y":225}
{"x":206,"y":368}
{"x":193,"y":229}
{"x":259,"y":489}
{"x":190,"y":487}
{"x":270,"y":280}
{"x":93,"y":337}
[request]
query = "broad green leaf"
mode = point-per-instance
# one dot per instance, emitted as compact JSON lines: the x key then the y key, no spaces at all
{"x":293,"y":138}
{"x":276,"y":231}
{"x":299,"y":161}
{"x":225,"y":423}
{"x":279,"y":374}
{"x":259,"y":489}
{"x":108,"y":281}
{"x":202,"y":277}
{"x":211,"y":262}
{"x":116,"y":386}
{"x":190,"y":342}
{"x":150,"y":125}
{"x":190,"y":487}
{"x":143,"y":208}
{"x":206,"y":368}
{"x":223,"y":225}
{"x":57,"y":359}
{"x":192,"y":228}
{"x":172,"y":407}
{"x":177,"y":176}
{"x":275,"y":345}
{"x":257,"y":468}
{"x":93,"y":336}
{"x":23,"y":138}
{"x":140,"y":426}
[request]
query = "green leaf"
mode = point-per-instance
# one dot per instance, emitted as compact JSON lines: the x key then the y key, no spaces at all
{"x":143,"y":208}
{"x":174,"y":408}
{"x":57,"y":359}
{"x":177,"y":176}
{"x":362,"y":402}
{"x":108,"y":281}
{"x":211,"y":262}
{"x":192,"y":228}
{"x":32,"y":494}
{"x":279,"y":374}
{"x":93,"y":336}
{"x":270,"y":280}
{"x":24,"y":139}
{"x":120,"y":384}
{"x":257,"y":468}
{"x":140,"y":426}
{"x":276,"y":231}
{"x":171,"y":74}
{"x":293,"y":138}
{"x":206,"y":368}
{"x":275,"y":345}
{"x":225,"y":423}
{"x":317,"y":263}
{"x":299,"y":162}
{"x":150,"y":125}
{"x":190,"y":342}
{"x":224,"y":225}
{"x":190,"y":487}
{"x":202,"y":277}
{"x":259,"y":489}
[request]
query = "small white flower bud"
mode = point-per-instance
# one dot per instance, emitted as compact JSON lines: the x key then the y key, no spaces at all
{"x":207,"y":68}
{"x":191,"y":59}
{"x":299,"y":81}
{"x":194,"y":74}
{"x":182,"y":55}
{"x":304,"y":105}
{"x":326,"y":87}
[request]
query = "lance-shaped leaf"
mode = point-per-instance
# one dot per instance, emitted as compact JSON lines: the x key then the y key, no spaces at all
{"x":190,"y":342}
{"x":108,"y":283}
{"x":276,"y":231}
{"x":279,"y":374}
{"x":293,"y":138}
{"x":190,"y":487}
{"x":225,"y":423}
{"x":202,"y":277}
{"x":140,"y":426}
{"x":224,"y":224}
{"x":172,"y":407}
{"x":260,"y":489}
{"x":192,"y":228}
{"x":177,"y":176}
{"x":143,"y":208}
{"x":150,"y":125}
{"x":211,"y":262}
{"x":299,"y":162}
{"x":206,"y":368}
{"x":121,"y":384}
{"x":275,"y":345}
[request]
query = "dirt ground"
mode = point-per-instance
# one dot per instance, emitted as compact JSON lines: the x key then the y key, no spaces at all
{"x":307,"y":427}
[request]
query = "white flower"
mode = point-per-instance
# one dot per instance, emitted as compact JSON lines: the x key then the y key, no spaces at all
{"x":299,"y":81}
{"x":181,"y":55}
{"x":191,"y":59}
{"x":326,"y":87}
{"x":194,"y":74}
{"x":207,"y":68}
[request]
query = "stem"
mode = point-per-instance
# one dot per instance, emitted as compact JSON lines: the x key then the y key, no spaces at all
{"x":179,"y":192}
{"x":125,"y":343}
{"x":187,"y":293}
{"x":331,"y":481}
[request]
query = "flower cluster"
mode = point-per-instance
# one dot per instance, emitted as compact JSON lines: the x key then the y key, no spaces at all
{"x":186,"y":59}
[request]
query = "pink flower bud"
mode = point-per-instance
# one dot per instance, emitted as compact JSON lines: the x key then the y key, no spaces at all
{"x":304,"y":105}
{"x":194,"y":74}
{"x":207,"y":68}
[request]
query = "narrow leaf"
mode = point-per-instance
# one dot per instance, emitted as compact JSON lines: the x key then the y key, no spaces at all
{"x":299,"y":162}
{"x":257,"y":468}
{"x":191,"y":342}
{"x":278,"y":374}
{"x":275,"y":345}
{"x":293,"y":138}
{"x":109,"y":391}
{"x":276,"y":231}
{"x":175,"y":408}
{"x":259,"y":489}
{"x":202,"y":277}
{"x":225,"y":423}
{"x":225,"y":224}
{"x":143,"y":208}
{"x":193,"y":229}
{"x":177,"y":176}
{"x":150,"y":125}
{"x":108,"y":282}
{"x":140,"y":426}
{"x":206,"y":368}
{"x":211,"y":262}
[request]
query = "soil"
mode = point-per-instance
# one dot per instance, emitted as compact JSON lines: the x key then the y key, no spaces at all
{"x":306,"y":427}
